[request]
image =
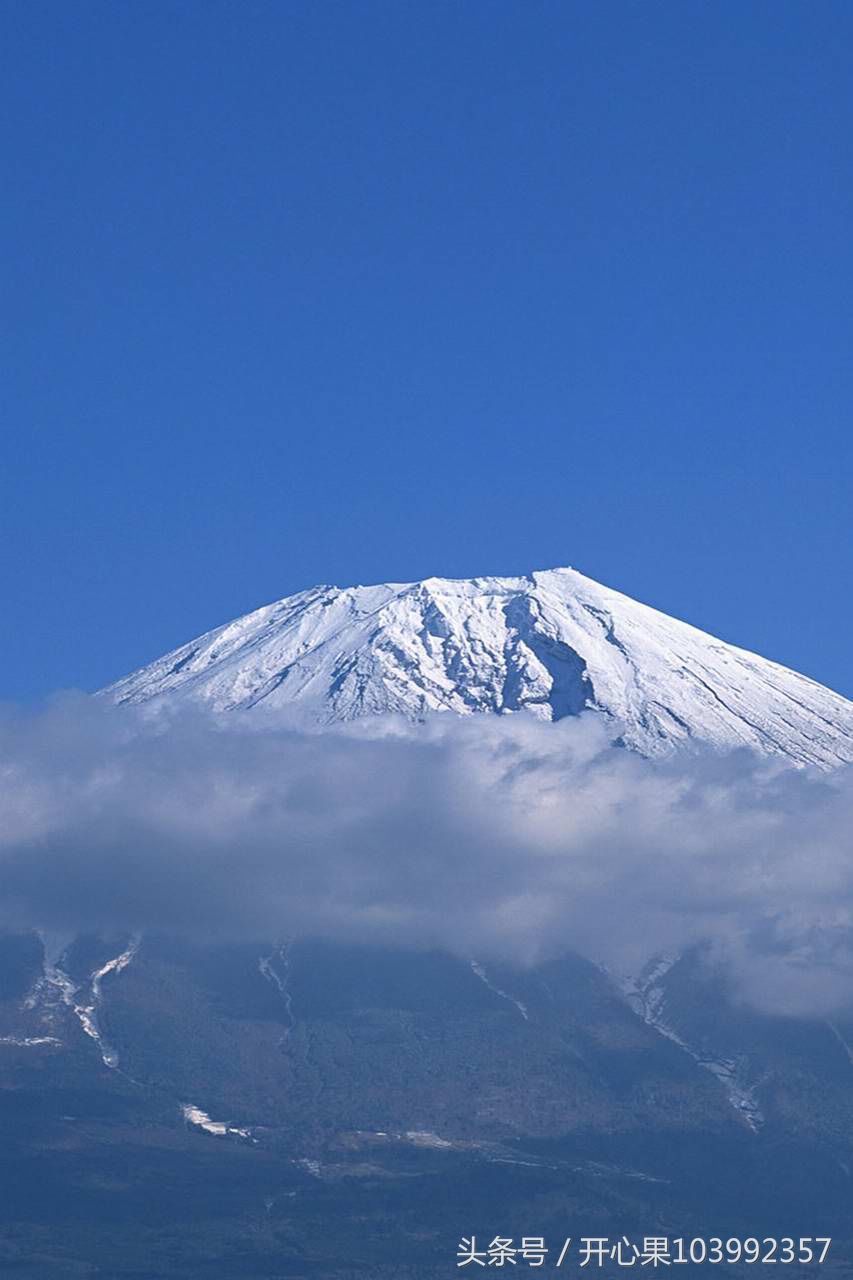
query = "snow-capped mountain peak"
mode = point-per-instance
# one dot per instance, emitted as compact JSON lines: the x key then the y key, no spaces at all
{"x":552,"y":643}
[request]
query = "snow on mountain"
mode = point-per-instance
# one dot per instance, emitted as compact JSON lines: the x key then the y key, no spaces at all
{"x":553,"y":643}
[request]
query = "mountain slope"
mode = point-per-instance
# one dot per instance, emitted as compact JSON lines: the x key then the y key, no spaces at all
{"x":552,"y":643}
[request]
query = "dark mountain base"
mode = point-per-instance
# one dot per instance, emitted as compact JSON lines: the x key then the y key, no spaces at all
{"x":376,"y":1108}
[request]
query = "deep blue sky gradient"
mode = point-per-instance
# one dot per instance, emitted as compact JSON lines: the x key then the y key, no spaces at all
{"x":347,"y":292}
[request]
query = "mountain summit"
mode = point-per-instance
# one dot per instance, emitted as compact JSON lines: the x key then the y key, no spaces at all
{"x":553,"y":644}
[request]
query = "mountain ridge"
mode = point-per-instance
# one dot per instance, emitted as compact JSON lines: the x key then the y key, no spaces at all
{"x":551,"y":643}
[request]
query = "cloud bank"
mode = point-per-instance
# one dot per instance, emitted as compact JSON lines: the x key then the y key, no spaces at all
{"x":486,"y":836}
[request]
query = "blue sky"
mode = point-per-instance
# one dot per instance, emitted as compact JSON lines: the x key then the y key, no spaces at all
{"x":347,"y":292}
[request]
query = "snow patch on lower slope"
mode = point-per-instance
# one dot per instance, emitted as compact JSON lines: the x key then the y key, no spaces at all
{"x":55,"y":990}
{"x":88,"y":1013}
{"x":478,"y":969}
{"x":276,"y":969}
{"x":198,"y":1119}
{"x":845,"y":1044}
{"x":23,"y":1042}
{"x":646,"y":994}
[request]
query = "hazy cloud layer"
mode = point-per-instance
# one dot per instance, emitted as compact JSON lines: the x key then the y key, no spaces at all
{"x":487,"y":836}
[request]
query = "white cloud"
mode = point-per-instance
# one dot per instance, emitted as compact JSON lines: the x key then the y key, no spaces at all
{"x":487,"y":836}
